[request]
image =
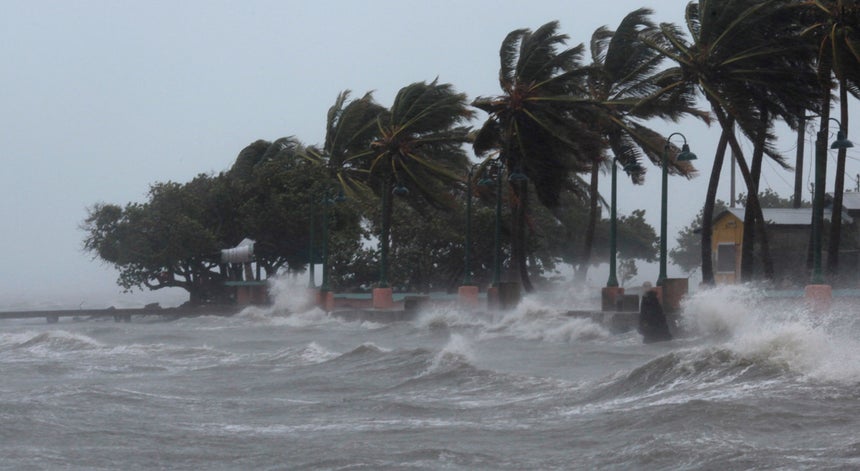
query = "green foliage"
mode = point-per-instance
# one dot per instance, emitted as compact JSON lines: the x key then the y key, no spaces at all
{"x":627,"y":270}
{"x":174,"y":239}
{"x":688,"y":252}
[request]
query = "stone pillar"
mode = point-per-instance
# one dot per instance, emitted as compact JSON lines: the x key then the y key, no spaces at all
{"x":383,"y":298}
{"x":326,"y":301}
{"x":610,"y":297}
{"x":468,"y":296}
{"x":818,"y":297}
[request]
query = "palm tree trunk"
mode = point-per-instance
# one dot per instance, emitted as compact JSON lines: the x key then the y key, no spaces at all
{"x":518,"y":243}
{"x":820,"y":180}
{"x":708,"y":211}
{"x":385,"y":235}
{"x":593,"y":214}
{"x":838,"y":189}
{"x":798,"y":167}
{"x":752,"y":224}
{"x":752,"y":200}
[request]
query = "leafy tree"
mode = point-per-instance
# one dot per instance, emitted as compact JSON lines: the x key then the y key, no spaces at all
{"x":175,"y":238}
{"x":688,"y":251}
{"x":166,"y":242}
{"x":539,"y":125}
{"x":627,"y":270}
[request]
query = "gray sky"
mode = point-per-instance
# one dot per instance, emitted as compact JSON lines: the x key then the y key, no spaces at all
{"x":103,"y":98}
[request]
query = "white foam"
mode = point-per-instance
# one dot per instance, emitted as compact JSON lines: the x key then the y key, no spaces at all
{"x":783,"y":334}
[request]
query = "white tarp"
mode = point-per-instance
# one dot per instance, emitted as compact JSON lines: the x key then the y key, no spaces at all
{"x":242,"y":253}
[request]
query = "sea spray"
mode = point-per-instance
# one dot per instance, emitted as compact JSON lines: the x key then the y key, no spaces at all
{"x":781,"y":334}
{"x":532,"y":319}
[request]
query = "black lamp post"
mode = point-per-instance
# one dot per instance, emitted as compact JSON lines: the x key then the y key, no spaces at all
{"x":327,"y":201}
{"x":467,"y":277}
{"x":630,"y":168}
{"x":841,"y":142}
{"x":311,"y":262}
{"x":494,"y":175}
{"x":398,"y":190}
{"x":683,"y":156}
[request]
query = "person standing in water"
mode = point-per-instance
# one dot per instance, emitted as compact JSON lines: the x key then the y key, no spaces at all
{"x":652,"y":321}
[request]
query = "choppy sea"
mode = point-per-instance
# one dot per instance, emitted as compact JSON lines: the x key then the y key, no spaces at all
{"x":750,"y":385}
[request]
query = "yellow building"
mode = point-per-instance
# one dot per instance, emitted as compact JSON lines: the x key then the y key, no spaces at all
{"x":788,"y":237}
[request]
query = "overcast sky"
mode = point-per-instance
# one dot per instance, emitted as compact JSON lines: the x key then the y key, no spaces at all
{"x":104,"y":98}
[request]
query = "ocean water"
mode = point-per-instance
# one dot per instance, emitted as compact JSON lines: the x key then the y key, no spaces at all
{"x":750,"y":385}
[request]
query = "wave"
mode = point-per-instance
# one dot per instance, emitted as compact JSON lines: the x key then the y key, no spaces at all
{"x":532,"y":319}
{"x":784,"y":333}
{"x":52,"y":341}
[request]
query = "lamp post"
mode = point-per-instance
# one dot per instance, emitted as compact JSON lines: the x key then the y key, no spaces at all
{"x":398,"y":190}
{"x":683,"y":156}
{"x":841,"y":142}
{"x":467,"y":277}
{"x":630,"y":168}
{"x":493,"y":175}
{"x":327,"y":201}
{"x":311,"y":262}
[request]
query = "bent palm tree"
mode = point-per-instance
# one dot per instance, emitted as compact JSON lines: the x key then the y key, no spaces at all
{"x":418,"y":147}
{"x":539,"y":125}
{"x":623,"y":81}
{"x":834,"y":27}
{"x":750,"y":66}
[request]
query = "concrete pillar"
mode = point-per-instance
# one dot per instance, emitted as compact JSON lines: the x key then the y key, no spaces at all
{"x":818,"y":297}
{"x":610,"y":298}
{"x":326,"y":301}
{"x":383,"y":298}
{"x":468,"y":296}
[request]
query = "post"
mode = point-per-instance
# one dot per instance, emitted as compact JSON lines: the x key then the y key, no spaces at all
{"x":818,"y":206}
{"x":613,"y":279}
{"x":312,"y":281}
{"x":326,"y":202}
{"x":386,"y":229}
{"x":497,"y":256}
{"x":467,"y":277}
{"x":663,"y":215}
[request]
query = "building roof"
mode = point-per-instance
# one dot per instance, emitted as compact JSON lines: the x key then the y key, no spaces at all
{"x":851,"y":200}
{"x":786,"y":216}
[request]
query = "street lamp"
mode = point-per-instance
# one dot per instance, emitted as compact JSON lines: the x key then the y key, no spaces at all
{"x":327,"y":201}
{"x":495,"y":176}
{"x":841,"y":142}
{"x":398,"y":190}
{"x":629,"y":168}
{"x":684,"y":156}
{"x":467,"y":278}
{"x":311,"y":262}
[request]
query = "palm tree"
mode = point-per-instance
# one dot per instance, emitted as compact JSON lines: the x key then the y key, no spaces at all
{"x":834,"y":27}
{"x":350,"y":128}
{"x":418,"y":149}
{"x":539,"y":125}
{"x":351,"y":125}
{"x":750,"y":66}
{"x":623,"y":75}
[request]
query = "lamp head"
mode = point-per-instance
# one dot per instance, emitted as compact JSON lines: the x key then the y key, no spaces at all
{"x":841,"y":141}
{"x":685,"y":155}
